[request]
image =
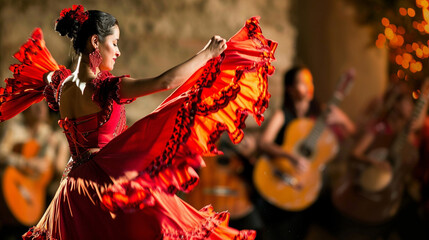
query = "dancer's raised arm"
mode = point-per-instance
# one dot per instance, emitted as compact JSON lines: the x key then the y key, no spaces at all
{"x":132,"y":88}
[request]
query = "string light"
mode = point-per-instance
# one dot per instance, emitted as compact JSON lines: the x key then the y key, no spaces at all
{"x":408,"y":49}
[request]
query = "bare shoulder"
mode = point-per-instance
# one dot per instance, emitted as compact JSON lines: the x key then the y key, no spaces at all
{"x":74,"y":103}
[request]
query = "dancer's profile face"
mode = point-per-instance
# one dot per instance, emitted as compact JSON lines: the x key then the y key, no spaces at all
{"x":109,"y":50}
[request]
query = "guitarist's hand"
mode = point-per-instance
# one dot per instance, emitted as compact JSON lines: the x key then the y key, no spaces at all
{"x":301,"y":163}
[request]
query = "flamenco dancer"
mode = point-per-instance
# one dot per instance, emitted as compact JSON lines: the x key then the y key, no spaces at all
{"x":120,"y":183}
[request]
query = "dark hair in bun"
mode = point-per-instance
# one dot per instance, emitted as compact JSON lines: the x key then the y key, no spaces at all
{"x":80,"y":26}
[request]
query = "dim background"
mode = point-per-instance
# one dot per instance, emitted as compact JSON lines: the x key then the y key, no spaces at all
{"x":156,"y":35}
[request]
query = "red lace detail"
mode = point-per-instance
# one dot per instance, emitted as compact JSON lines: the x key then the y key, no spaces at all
{"x":106,"y":90}
{"x":76,"y":12}
{"x":37,"y":234}
{"x":52,"y":90}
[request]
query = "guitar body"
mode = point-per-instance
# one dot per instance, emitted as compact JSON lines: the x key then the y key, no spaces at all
{"x":221,"y":186}
{"x":24,"y":193}
{"x":25,"y":196}
{"x":373,"y":179}
{"x":371,"y":195}
{"x":282,"y":194}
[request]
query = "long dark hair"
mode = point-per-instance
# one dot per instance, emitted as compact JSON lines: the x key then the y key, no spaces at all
{"x":289,"y":82}
{"x":98,"y":22}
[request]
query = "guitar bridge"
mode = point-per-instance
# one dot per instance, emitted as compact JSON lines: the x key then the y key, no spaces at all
{"x":291,"y":181}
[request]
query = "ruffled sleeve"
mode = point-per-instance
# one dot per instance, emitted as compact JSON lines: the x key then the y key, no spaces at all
{"x":52,"y":90}
{"x":27,"y":85}
{"x":164,"y":148}
{"x":106,"y":92}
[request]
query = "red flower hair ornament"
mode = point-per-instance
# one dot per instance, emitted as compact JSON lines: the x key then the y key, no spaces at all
{"x":76,"y":12}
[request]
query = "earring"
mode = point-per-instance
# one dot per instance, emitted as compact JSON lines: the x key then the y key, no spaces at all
{"x":95,"y":60}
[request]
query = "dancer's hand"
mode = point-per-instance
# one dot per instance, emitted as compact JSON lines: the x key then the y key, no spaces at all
{"x":215,"y":46}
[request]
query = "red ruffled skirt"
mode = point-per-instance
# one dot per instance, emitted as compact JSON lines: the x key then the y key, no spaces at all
{"x":127,"y":190}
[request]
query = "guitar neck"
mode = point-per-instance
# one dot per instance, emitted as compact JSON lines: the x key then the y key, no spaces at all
{"x":320,"y":124}
{"x":396,"y":148}
{"x":344,"y":84}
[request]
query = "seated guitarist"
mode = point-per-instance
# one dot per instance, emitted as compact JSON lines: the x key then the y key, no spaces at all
{"x":298,"y":104}
{"x":29,"y":150}
{"x":373,"y":194}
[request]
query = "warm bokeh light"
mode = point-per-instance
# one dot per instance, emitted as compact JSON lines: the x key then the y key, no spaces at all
{"x":399,"y":59}
{"x":420,"y":27}
{"x":400,"y":74}
{"x":426,"y":14}
{"x":426,"y":50}
{"x":419,"y":53}
{"x":409,"y":49}
{"x":379,"y":43}
{"x":416,"y":94}
{"x":411,"y":12}
{"x":400,"y":40}
{"x":415,"y":67}
{"x":389,"y":33}
{"x":385,"y":22}
{"x":401,"y":30}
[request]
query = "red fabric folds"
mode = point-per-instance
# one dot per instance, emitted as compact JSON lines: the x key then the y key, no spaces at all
{"x":217,"y":98}
{"x":27,"y":85}
{"x":136,"y":174}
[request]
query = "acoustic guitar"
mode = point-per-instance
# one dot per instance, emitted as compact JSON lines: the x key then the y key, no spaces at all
{"x":222,"y":186}
{"x":278,"y":181}
{"x":373,"y":195}
{"x":24,"y":190}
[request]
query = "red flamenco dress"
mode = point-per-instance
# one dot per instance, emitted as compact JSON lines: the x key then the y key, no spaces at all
{"x":126,"y":190}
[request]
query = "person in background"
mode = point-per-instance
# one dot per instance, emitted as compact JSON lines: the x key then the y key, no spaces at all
{"x":379,"y":171}
{"x":29,"y":151}
{"x":298,"y":103}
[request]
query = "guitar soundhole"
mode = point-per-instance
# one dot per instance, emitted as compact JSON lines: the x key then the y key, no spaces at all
{"x":305,"y":150}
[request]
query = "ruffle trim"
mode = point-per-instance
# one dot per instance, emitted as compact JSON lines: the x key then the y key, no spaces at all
{"x":129,"y":196}
{"x":52,"y":90}
{"x":209,"y":226}
{"x":106,"y":91}
{"x":35,"y":233}
{"x":27,"y":85}
{"x":199,"y":123}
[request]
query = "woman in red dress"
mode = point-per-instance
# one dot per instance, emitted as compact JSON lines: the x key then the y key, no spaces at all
{"x":120,"y":183}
